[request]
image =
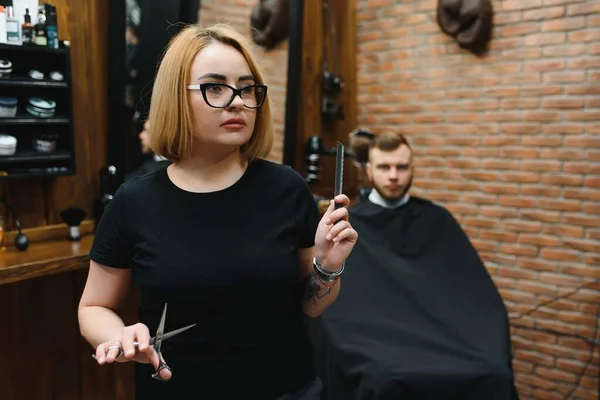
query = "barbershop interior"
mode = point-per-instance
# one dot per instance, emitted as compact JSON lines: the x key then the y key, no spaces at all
{"x":399,"y":199}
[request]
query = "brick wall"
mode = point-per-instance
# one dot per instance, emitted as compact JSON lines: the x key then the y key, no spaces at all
{"x":511,"y":145}
{"x":274,"y":62}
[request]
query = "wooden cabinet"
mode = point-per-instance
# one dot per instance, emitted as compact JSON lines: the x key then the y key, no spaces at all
{"x":44,"y":356}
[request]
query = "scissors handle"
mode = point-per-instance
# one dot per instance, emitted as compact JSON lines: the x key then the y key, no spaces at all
{"x":161,"y":366}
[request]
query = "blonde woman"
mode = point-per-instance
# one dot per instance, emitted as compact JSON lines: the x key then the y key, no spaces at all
{"x":231,"y":241}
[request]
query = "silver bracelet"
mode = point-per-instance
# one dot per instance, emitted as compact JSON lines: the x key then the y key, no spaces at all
{"x":327,"y":276}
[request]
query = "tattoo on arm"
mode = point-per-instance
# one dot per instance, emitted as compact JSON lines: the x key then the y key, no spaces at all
{"x":312,"y":290}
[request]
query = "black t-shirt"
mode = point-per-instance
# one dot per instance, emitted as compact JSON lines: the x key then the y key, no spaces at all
{"x":226,"y":261}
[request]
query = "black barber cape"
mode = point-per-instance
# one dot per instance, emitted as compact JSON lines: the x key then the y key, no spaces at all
{"x":418,"y":316}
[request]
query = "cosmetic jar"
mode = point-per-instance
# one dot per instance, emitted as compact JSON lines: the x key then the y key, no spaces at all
{"x":44,"y":142}
{"x":8,"y":107}
{"x":8,"y":145}
{"x":56,"y":76}
{"x":5,"y":69}
{"x":35,"y":74}
{"x":41,"y":108}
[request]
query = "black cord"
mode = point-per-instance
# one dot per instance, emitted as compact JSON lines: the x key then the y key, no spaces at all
{"x":555,"y":299}
{"x":593,"y":343}
{"x":12,"y":213}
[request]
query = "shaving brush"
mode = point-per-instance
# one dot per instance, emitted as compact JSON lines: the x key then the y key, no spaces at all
{"x":359,"y":143}
{"x":73,"y":217}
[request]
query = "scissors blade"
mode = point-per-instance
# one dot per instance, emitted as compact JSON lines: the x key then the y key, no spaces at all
{"x":160,"y":330}
{"x":169,"y":335}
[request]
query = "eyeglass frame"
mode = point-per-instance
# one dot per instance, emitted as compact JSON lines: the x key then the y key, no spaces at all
{"x":236,"y":92}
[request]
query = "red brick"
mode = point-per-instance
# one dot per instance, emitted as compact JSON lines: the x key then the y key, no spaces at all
{"x":522,"y":226}
{"x":554,"y":350}
{"x":562,"y":154}
{"x":565,"y":77}
{"x":511,"y":5}
{"x":592,"y":208}
{"x":559,"y":279}
{"x":583,"y":115}
{"x":521,"y":53}
{"x":564,"y":231}
{"x":589,"y":88}
{"x":497,"y":212}
{"x":542,"y":141}
{"x":542,"y":116}
{"x":535,"y":287}
{"x":481,"y":223}
{"x":581,"y":167}
{"x":563,"y":128}
{"x":560,"y":205}
{"x":544,"y":39}
{"x":563,"y":103}
{"x":585,"y":8}
{"x":463,"y":186}
{"x":540,"y":165}
{"x":559,"y":255}
{"x":564,"y":24}
{"x":565,"y":50}
{"x":540,"y":190}
{"x":581,"y":245}
{"x":588,"y":35}
{"x":583,"y":220}
{"x":499,"y":140}
{"x":538,"y":240}
{"x":518,"y":129}
{"x":534,"y":358}
{"x":584,"y":63}
{"x":544,"y":14}
{"x":520,"y":29}
{"x":501,"y":92}
{"x":500,"y":164}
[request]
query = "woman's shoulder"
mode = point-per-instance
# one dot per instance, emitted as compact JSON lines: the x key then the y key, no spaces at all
{"x":274,"y":170}
{"x":142,"y":184}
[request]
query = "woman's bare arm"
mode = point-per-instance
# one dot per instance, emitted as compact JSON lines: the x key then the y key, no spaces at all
{"x":105,"y":292}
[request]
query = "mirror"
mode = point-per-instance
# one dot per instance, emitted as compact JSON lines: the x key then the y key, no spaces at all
{"x":139,"y":31}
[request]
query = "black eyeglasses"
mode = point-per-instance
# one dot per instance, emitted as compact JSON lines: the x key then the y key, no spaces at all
{"x":220,"y":95}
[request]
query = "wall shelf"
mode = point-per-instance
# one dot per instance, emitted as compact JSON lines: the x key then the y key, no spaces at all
{"x":27,"y":163}
{"x":29,"y":119}
{"x":25,"y":81}
{"x":34,"y":48}
{"x":25,"y":155}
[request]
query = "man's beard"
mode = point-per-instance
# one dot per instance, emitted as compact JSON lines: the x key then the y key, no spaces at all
{"x":394,"y":198}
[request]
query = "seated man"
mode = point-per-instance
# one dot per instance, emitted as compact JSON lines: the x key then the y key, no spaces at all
{"x":418,"y":316}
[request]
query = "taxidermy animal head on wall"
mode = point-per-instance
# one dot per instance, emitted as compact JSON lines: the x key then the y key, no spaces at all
{"x":469,"y":22}
{"x":270,"y":22}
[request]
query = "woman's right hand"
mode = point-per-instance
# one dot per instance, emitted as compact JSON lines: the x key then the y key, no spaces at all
{"x":109,"y":352}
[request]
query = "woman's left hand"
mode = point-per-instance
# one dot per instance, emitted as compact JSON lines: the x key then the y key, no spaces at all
{"x":335,"y":237}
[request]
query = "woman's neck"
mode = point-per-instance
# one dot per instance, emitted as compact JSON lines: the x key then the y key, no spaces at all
{"x":203,"y":175}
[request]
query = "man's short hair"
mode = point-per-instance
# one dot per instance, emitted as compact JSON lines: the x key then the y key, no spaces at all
{"x":388,"y":141}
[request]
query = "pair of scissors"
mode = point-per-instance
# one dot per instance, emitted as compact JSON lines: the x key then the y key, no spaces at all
{"x":156,"y":342}
{"x":158,"y":339}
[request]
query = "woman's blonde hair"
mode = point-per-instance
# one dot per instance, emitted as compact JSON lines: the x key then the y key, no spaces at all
{"x":171,"y":116}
